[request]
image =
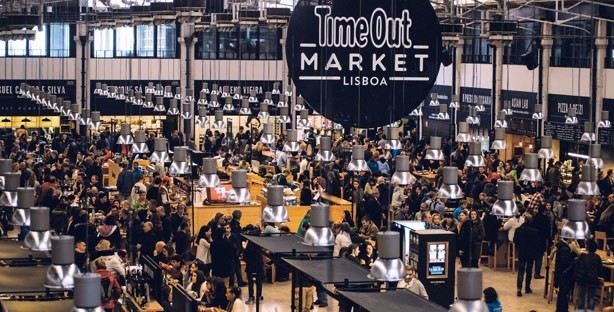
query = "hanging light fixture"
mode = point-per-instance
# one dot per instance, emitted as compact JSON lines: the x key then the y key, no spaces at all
{"x":288,"y":91}
{"x":215,"y":89}
{"x":121,"y":94}
{"x":388,"y":267}
{"x":88,"y":288}
{"x":473,"y":118}
{"x":22,"y":200}
{"x":202,"y":116}
{"x":507,"y":108}
{"x":225,"y":92}
{"x":455,"y":103}
{"x":276,"y":88}
{"x":475,"y":158}
{"x":59,"y":103}
{"x":292,"y":145}
{"x":303,"y":120}
{"x":267,"y":136}
{"x":594,"y":155}
{"x":576,"y":227}
{"x":150,"y":88}
{"x":505,"y":206}
{"x":130,"y":98}
{"x":202,"y":99}
{"x":463,"y":135}
{"x":571,"y":118}
{"x":62,"y":270}
{"x":25,"y":119}
{"x":589,"y":133}
{"x":112,"y":94}
{"x":264,"y":111}
{"x":245,"y":110}
{"x":530,"y":173}
{"x":469,"y":289}
{"x":253,"y":98}
{"x":159,"y":91}
{"x":39,"y":236}
{"x":139,"y":146}
{"x":228,"y":107}
{"x":177,"y":94}
{"x":546,"y":152}
{"x":148,"y":103}
{"x":443,"y":112}
{"x":219,"y":120}
{"x":160,"y":153}
{"x":105,"y":90}
{"x":434,"y":151}
{"x":74,"y":112}
{"x":66,"y":106}
{"x":95,"y":123}
{"x":283,"y":101}
{"x":237,"y":95}
{"x":538,"y":115}
{"x":185,"y":114}
{"x":319,"y":233}
{"x":479,"y":105}
{"x":159,"y":105}
{"x":275,"y":211}
{"x":401,"y":175}
{"x":501,"y":122}
{"x":52,"y":102}
{"x":214,"y":102}
{"x":450,"y":189}
{"x":358,"y":163}
{"x":189,"y":95}
{"x":98,"y":88}
{"x":180,"y":165}
{"x":205,"y":88}
{"x":605,"y":120}
{"x":417,"y":111}
{"x":324,"y":151}
{"x":588,"y":184}
{"x":300,"y":104}
{"x":434,"y":99}
{"x":268,"y":98}
{"x":284,"y":117}
{"x":173,"y":110}
{"x":392,"y":142}
{"x":168,"y":92}
{"x":125,"y":134}
{"x":209,"y":177}
{"x":499,"y":143}
{"x":239,"y":194}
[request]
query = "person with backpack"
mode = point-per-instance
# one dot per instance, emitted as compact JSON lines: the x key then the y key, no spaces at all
{"x":111,"y":291}
{"x":588,"y":265}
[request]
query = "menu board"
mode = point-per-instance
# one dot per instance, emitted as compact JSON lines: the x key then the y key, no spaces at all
{"x":522,"y":127}
{"x":444,"y":96}
{"x":563,"y":132}
{"x":559,"y":105}
{"x":469,"y":97}
{"x":437,"y":261}
{"x":605,"y":136}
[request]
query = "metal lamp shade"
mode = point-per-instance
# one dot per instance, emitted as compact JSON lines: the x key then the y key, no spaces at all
{"x":125,"y":136}
{"x":388,"y":267}
{"x":180,"y":165}
{"x":275,"y":210}
{"x":402,"y":176}
{"x":215,"y":89}
{"x":148,"y":103}
{"x":463,"y":135}
{"x":95,"y":123}
{"x":253,"y":97}
{"x":434,"y":99}
{"x":245,"y":110}
{"x":209,"y":177}
{"x":358,"y":163}
{"x":168,"y":92}
{"x":443,"y":112}
{"x":416,"y":112}
{"x":87,"y":293}
{"x":320,"y":233}
{"x":588,"y":185}
{"x":85,"y":117}
{"x":25,"y":201}
{"x":499,"y":143}
{"x":505,"y":206}
{"x":300,"y":104}
{"x":159,"y":107}
{"x":74,"y":112}
{"x":173,"y":110}
{"x":219,"y":120}
{"x":538,"y":115}
{"x":449,"y":188}
{"x":202,"y":98}
{"x":473,"y":118}
{"x":392,"y":143}
{"x":11,"y":184}
{"x":268,"y":98}
{"x":469,"y":287}
{"x":571,"y":118}
{"x":292,"y":145}
{"x":283,"y":115}
{"x":479,"y":105}
{"x":177,"y":93}
{"x":589,"y":134}
{"x":475,"y":158}
{"x":530,"y":173}
{"x":546,"y":152}
{"x":213,"y":103}
{"x":186,"y":114}
{"x":267,"y":136}
{"x":434,"y":152}
{"x":594,"y":155}
{"x":501,"y":122}
{"x":264,"y":111}
{"x":39,"y":237}
{"x":61,"y":272}
{"x":283,"y":101}
{"x":228,"y":107}
{"x":160,"y":153}
{"x":139,"y":146}
{"x":576,"y":227}
{"x":324,"y":153}
{"x":303,"y":120}
{"x":66,"y":108}
{"x":202,"y":116}
{"x":605,"y":120}
{"x":205,"y":88}
{"x":239,"y":194}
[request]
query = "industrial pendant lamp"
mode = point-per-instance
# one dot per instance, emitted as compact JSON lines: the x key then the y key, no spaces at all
{"x":268,"y":98}
{"x":62,"y":270}
{"x":455,"y":103}
{"x":88,"y":288}
{"x":177,"y":94}
{"x":95,"y":123}
{"x":319,"y":233}
{"x":237,"y":95}
{"x":401,"y":175}
{"x":214,"y":102}
{"x":267,"y":136}
{"x":283,"y":101}
{"x":130,"y":98}
{"x":173,"y":110}
{"x":475,"y":158}
{"x":180,"y":165}
{"x":288,"y":91}
{"x":505,"y":206}
{"x":205,"y":88}
{"x":202,"y":99}
{"x":388,"y":267}
{"x":479,"y":105}
{"x":443,"y":112}
{"x":324,"y":151}
{"x":300,"y":104}
{"x":463,"y":135}
{"x":52,"y":102}
{"x":121,"y":94}
{"x":605,"y":120}
{"x":589,"y":133}
{"x":264,"y":111}
{"x":571,"y":118}
{"x":125,"y":136}
{"x":303,"y":120}
{"x":245,"y":110}
{"x":113,"y":92}
{"x":276,"y":88}
{"x":538,"y":115}
{"x":291,"y":145}
{"x":239,"y":194}
{"x":469,"y":289}
{"x":219,"y":120}
{"x":284,"y":117}
{"x":253,"y":98}
{"x":358,"y":163}
{"x":473,"y":118}
{"x":501,"y":122}
{"x":159,"y":91}
{"x":138,"y":99}
{"x":546,"y":152}
{"x":148,"y":103}
{"x":202,"y":116}
{"x":417,"y":111}
{"x":434,"y":151}
{"x":530,"y":173}
{"x":275,"y":211}
{"x":159,"y":105}
{"x":594,"y":155}
{"x":105,"y":90}
{"x":228,"y":107}
{"x":507,"y":108}
{"x":150,"y":88}
{"x":450,"y":189}
{"x":22,"y":204}
{"x":215,"y":89}
{"x":225,"y":92}
{"x":39,"y":236}
{"x":576,"y":227}
{"x":434,"y":99}
{"x":98,"y":88}
{"x":66,"y":109}
{"x":185,"y":114}
{"x":392,"y":140}
{"x":57,"y":107}
{"x":588,"y":184}
{"x":209,"y":177}
{"x":189,"y":95}
{"x":499,"y":143}
{"x":160,"y":153}
{"x":168,"y":92}
{"x":139,"y":146}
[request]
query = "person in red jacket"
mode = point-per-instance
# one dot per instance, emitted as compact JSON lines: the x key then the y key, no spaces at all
{"x":111,"y":291}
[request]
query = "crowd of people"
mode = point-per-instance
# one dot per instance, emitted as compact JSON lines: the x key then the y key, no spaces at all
{"x":114,"y":226}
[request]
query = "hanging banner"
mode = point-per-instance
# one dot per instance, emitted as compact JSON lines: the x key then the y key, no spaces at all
{"x":113,"y":107}
{"x":11,"y":105}
{"x":364,"y":63}
{"x":559,"y":105}
{"x":444,"y":96}
{"x":469,"y":97}
{"x":522,"y":103}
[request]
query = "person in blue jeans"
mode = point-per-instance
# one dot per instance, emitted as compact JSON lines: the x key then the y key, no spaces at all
{"x":491,"y":298}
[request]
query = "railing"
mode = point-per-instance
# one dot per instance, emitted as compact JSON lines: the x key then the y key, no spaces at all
{"x":477,"y":58}
{"x":578,"y":62}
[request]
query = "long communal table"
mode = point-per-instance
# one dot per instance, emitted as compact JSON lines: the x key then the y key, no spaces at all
{"x":398,"y":300}
{"x":31,"y":306}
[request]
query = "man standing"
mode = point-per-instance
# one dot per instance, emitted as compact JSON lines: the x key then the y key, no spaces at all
{"x":542,"y":224}
{"x":413,"y":284}
{"x":528,"y":250}
{"x":125,"y":182}
{"x":563,"y":272}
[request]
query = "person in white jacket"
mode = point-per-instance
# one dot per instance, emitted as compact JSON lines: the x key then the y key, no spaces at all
{"x":203,"y":249}
{"x":113,"y":262}
{"x":342,"y":239}
{"x":512,"y":224}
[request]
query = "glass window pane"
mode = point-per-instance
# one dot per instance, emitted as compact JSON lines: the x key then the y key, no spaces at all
{"x":269,"y":44}
{"x":167,"y":41}
{"x":209,"y":39}
{"x":2,"y":48}
{"x":59,"y":40}
{"x":144,"y":41}
{"x":248,"y":41}
{"x":38,"y":46}
{"x":228,"y":45}
{"x":103,"y":43}
{"x":124,"y":41}
{"x":17,"y":47}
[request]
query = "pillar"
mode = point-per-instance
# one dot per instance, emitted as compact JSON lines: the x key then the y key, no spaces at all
{"x":82,"y":74}
{"x":499,"y":42}
{"x":546,"y":43}
{"x":601,"y":44}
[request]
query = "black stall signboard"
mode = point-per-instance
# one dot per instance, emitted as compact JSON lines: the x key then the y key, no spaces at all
{"x":559,"y":105}
{"x":245,"y":87}
{"x":522,"y":103}
{"x":563,"y":132}
{"x":444,"y":96}
{"x":11,"y":105}
{"x":469,"y":97}
{"x":364,"y":63}
{"x":113,"y":107}
{"x":606,"y":135}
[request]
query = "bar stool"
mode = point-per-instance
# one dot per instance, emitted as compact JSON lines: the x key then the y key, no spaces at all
{"x":482,"y":255}
{"x":494,"y":258}
{"x":512,"y":258}
{"x":605,"y":287}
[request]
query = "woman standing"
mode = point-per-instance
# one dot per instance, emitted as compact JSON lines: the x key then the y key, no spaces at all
{"x":203,"y":249}
{"x":465,"y":229}
{"x":477,"y":236}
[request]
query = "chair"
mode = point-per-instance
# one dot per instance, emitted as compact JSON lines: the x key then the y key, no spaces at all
{"x":605,"y":286}
{"x":512,"y":258}
{"x":482,"y":255}
{"x":602,"y":236}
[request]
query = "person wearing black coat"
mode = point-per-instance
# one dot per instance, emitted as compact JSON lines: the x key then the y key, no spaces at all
{"x":477,"y":236}
{"x":148,"y":240}
{"x":587,"y":270}
{"x":528,"y":249}
{"x":542,"y":223}
{"x":563,"y":274}
{"x":86,"y":232}
{"x":254,"y":268}
{"x":492,"y":224}
{"x":464,"y":240}
{"x":223,"y":254}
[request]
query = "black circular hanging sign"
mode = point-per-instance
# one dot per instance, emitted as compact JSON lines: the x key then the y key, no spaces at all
{"x":363,"y":63}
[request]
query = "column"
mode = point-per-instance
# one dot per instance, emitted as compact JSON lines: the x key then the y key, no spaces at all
{"x":546,"y":43}
{"x":82,"y":74}
{"x":186,"y":44}
{"x":499,"y":42}
{"x":601,"y":44}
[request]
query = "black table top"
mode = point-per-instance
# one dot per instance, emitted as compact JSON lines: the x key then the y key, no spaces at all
{"x":10,"y":249}
{"x":22,"y":279}
{"x":399,"y":300}
{"x":286,"y":244}
{"x":29,"y":306}
{"x":331,"y":271}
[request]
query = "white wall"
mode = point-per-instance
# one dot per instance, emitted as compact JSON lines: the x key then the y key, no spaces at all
{"x":565,"y":81}
{"x":142,"y":69}
{"x":520,"y":78}
{"x":445,"y":76}
{"x":238,"y":70}
{"x":608,"y":84}
{"x":483,"y":73}
{"x":37,"y":68}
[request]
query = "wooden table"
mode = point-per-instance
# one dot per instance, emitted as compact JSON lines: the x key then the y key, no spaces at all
{"x":608,"y":265}
{"x":426,"y":175}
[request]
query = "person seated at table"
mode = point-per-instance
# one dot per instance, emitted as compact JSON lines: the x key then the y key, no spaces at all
{"x":368,"y":230}
{"x":413,"y":284}
{"x":196,"y":285}
{"x":217,"y":296}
